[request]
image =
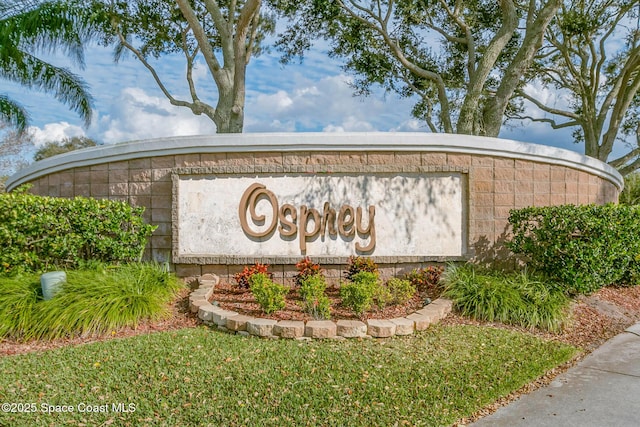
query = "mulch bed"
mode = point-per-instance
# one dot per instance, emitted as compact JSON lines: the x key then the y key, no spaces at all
{"x":231,"y":297}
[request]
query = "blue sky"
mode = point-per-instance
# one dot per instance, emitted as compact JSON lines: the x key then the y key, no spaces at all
{"x":308,"y":97}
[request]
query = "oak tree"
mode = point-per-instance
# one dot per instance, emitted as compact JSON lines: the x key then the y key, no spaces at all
{"x":591,"y":60}
{"x":463,"y":59}
{"x":225,"y":34}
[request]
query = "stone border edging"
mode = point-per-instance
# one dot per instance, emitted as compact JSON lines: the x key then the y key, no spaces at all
{"x":234,"y":322}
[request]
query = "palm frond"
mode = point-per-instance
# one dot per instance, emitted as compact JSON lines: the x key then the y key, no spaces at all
{"x":64,"y":85}
{"x":46,"y":28}
{"x":31,"y":26}
{"x":13,"y":113}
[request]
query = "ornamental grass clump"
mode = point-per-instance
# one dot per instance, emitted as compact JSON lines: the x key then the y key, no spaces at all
{"x":518,"y":298}
{"x":18,"y":297}
{"x":270,"y":295}
{"x":90,"y":302}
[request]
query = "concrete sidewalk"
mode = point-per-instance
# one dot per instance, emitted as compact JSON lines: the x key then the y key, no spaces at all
{"x":601,"y":390}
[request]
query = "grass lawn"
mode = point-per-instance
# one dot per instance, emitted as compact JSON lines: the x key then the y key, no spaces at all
{"x":198,"y":377}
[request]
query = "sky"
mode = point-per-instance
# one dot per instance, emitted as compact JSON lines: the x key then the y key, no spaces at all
{"x":312,"y":96}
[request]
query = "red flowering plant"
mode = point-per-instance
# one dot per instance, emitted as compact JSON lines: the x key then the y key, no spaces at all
{"x":358,"y":264}
{"x":425,"y":279}
{"x":242,"y":278}
{"x":306,"y":268}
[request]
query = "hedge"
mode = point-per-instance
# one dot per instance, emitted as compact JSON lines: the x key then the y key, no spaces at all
{"x":37,"y":233}
{"x":584,"y":247}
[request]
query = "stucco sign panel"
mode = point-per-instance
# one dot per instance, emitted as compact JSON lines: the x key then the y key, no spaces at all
{"x":395,"y":215}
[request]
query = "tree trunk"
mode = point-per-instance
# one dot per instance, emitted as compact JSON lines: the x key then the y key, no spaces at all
{"x":468,"y":121}
{"x":228,"y":117}
{"x":494,"y":111}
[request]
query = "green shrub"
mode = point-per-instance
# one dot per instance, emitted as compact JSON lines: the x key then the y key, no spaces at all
{"x":517,"y":298}
{"x":312,"y":291}
{"x":631,"y":193}
{"x":270,"y":295}
{"x":358,"y":295}
{"x":425,"y":279}
{"x":583,"y":247}
{"x":37,"y":233}
{"x":90,"y":302}
{"x":400,"y":290}
{"x":358,"y":264}
{"x":243,"y":278}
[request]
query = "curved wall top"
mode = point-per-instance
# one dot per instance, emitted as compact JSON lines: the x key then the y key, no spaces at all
{"x":316,"y":142}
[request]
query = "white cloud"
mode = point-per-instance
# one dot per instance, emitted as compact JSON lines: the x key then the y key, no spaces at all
{"x":54,"y":132}
{"x":135,"y":115}
{"x":350,"y":124}
{"x":326,"y":104}
{"x":411,"y":125}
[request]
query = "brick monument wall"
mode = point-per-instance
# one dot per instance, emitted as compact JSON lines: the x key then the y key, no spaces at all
{"x":496,"y":182}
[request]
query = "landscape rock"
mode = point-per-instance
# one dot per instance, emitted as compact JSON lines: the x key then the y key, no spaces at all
{"x":351,"y":328}
{"x":205,"y":313}
{"x":289,"y":329}
{"x":320,"y":329}
{"x":404,"y":326}
{"x":380,"y":328}
{"x":220,"y":316}
{"x":238,"y":323}
{"x":421,"y":321}
{"x":261,"y":327}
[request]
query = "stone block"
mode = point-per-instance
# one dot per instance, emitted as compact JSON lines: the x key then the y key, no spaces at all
{"x":351,"y":328}
{"x":404,"y":326}
{"x":238,"y":323}
{"x":320,"y":329}
{"x":208,"y":280}
{"x":421,"y":321}
{"x":199,"y":293}
{"x":208,"y":276}
{"x":261,"y":327}
{"x":381,"y":328}
{"x":289,"y":329}
{"x":444,"y":305}
{"x":220,"y":316}
{"x":205,"y":313}
{"x":196,"y":303}
{"x":430,"y":311}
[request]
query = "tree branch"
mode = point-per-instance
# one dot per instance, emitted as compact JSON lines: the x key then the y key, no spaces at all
{"x":620,"y":161}
{"x":409,"y":65}
{"x":196,"y":107}
{"x":551,"y":122}
{"x":189,"y":58}
{"x":201,"y":37}
{"x":543,"y":107}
